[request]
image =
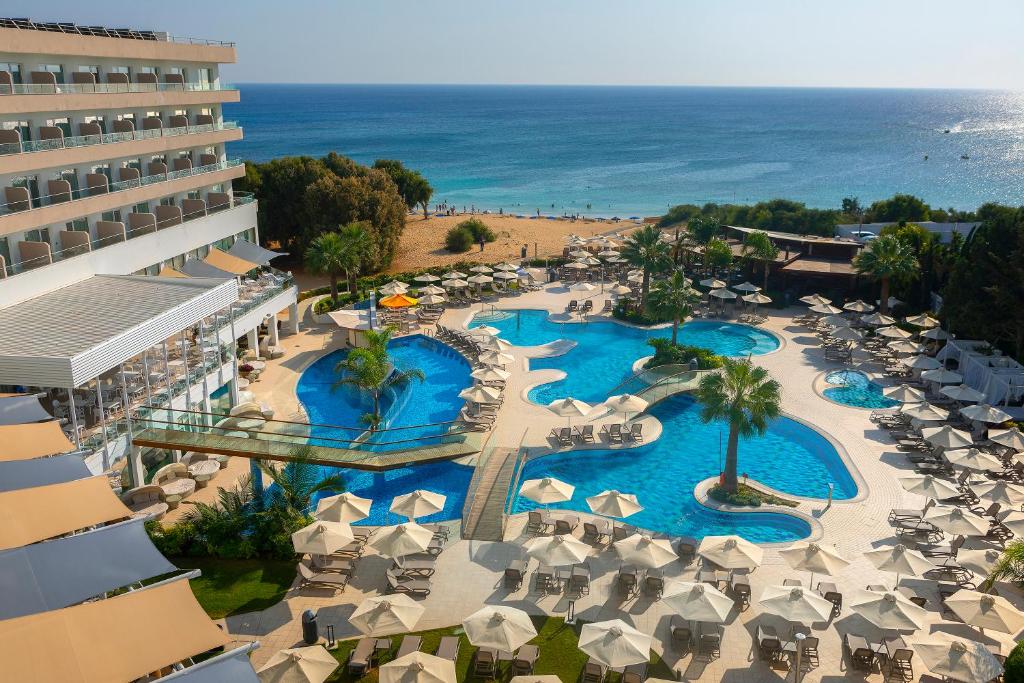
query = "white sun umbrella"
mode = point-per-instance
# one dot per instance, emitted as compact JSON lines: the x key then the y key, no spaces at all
{"x":590,"y":261}
{"x":579,"y":253}
{"x":299,"y":665}
{"x":794,"y":603}
{"x":576,"y":265}
{"x":495,"y":344}
{"x":582,"y":287}
{"x":712,"y":283}
{"x":431,"y":289}
{"x":921,"y":362}
{"x":922,"y":320}
{"x":481,"y":269}
{"x":614,"y":503}
{"x":558,"y":550}
{"x":500,"y":627}
{"x":979,"y":562}
{"x":697,"y":602}
{"x":858,"y":306}
{"x":757,"y":298}
{"x":877,"y":320}
{"x":947,"y":437}
{"x":616,"y":259}
{"x":484,"y":331}
{"x":490,"y":374}
{"x":615,"y":643}
{"x":345,"y":507}
{"x":815,"y":300}
{"x":402,"y":539}
{"x":625,"y":404}
{"x":957,"y":658}
{"x":322,"y":538}
{"x":1011,"y":438}
{"x":547,"y":490}
{"x":846,"y":334}
{"x":506,"y":266}
{"x":985,"y":413}
{"x":644,"y":551}
{"x":1004,"y":493}
{"x":431,"y":299}
{"x":835,"y":321}
{"x":904,"y":394}
{"x":1012,"y":520}
{"x":814,"y":558}
{"x":935,"y":334}
{"x":533,"y":678}
{"x":957,"y":521}
{"x":607,"y":253}
{"x":905,"y":346}
{"x":942,"y":376}
{"x":418,"y":667}
{"x":394,"y":287}
{"x":962,"y":392}
{"x":723,"y":294}
{"x":926,"y":412}
{"x":480,"y":394}
{"x":930,"y":487}
{"x":888,"y":610}
{"x":899,"y":560}
{"x":453,"y":275}
{"x":730,"y":552}
{"x":569,"y":407}
{"x":637,"y":279}
{"x":826,"y":309}
{"x":893,"y":332}
{"x":973,"y":459}
{"x":385,"y":615}
{"x":621,"y":290}
{"x":747,"y":287}
{"x":427,"y":278}
{"x":495,"y":358}
{"x":505,"y":275}
{"x":419,"y":503}
{"x":454,"y":283}
{"x":480,"y":279}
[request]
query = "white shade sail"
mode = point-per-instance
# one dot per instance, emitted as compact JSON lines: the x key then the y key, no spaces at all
{"x":795,"y":604}
{"x":557,"y":551}
{"x":984,"y":610}
{"x":730,"y":552}
{"x":956,"y":658}
{"x":813,"y":557}
{"x":299,"y":665}
{"x":644,"y":551}
{"x":888,"y":610}
{"x":418,"y":667}
{"x":899,"y":559}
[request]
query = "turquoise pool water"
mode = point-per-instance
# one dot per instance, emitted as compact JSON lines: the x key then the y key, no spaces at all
{"x":605,"y":351}
{"x":790,"y":457}
{"x":853,"y":388}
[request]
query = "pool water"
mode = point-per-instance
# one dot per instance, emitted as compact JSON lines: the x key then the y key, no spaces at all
{"x":853,"y":388}
{"x":790,"y":457}
{"x":605,"y":351}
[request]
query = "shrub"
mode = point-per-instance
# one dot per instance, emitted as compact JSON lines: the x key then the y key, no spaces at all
{"x":625,"y":312}
{"x":327,"y":304}
{"x":477,"y":228}
{"x":667,"y":353}
{"x":176,"y":540}
{"x":1015,"y":665}
{"x":744,"y":497}
{"x":458,"y":239}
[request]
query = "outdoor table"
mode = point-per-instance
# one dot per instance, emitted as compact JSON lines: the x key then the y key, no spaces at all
{"x":177,"y":489}
{"x":242,"y":383}
{"x":203,"y":471}
{"x":257,"y":365}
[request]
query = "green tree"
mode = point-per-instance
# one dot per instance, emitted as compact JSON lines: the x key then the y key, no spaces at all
{"x":745,"y":396}
{"x":297,"y":482}
{"x":703,"y":229}
{"x":717,"y":254}
{"x":369,"y":369}
{"x":282,"y":183}
{"x":221,"y":528}
{"x":899,"y":207}
{"x":852,"y":207}
{"x":759,"y":247}
{"x":1009,"y":567}
{"x":329,"y":255}
{"x":887,"y":259}
{"x":414,"y":188}
{"x":644,"y":249}
{"x":674,"y":298}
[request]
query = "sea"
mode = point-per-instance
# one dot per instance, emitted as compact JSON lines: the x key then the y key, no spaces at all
{"x":621,"y":151}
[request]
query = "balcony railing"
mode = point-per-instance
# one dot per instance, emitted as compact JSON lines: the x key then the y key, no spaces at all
{"x":104,"y":32}
{"x":19,"y":206}
{"x":240,"y":199}
{"x":110,"y":138}
{"x":107,"y":88}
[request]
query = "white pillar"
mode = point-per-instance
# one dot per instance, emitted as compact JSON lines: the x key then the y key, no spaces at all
{"x":135,"y":465}
{"x":234,"y":359}
{"x":293,"y":317}
{"x":272,"y":328}
{"x":103,"y":424}
{"x":254,"y":340}
{"x":74,"y":417}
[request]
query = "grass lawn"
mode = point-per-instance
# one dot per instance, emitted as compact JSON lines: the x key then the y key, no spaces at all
{"x":559,"y":655}
{"x":236,"y":586}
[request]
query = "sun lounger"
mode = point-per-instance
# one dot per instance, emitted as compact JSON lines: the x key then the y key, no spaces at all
{"x":409,"y":645}
{"x":412,"y":567}
{"x":484,"y":663}
{"x":769,"y":646}
{"x":585,"y":433}
{"x":830,"y":592}
{"x":614,"y":432}
{"x":593,"y":672}
{"x":636,"y":432}
{"x":862,"y":655}
{"x":410,"y":586}
{"x":448,"y":648}
{"x":515,"y":572}
{"x":621,"y":531}
{"x":563,"y":436}
{"x":682,"y":635}
{"x":525,"y":659}
{"x":539,"y":521}
{"x":808,"y":649}
{"x":710,"y":644}
{"x":686,"y":548}
{"x":626,"y":580}
{"x":332,"y":580}
{"x":739,"y":586}
{"x":596,"y":531}
{"x":565,"y":524}
{"x":361,"y":658}
{"x":634,"y":673}
{"x":331,"y":565}
{"x":579,"y":579}
{"x":654,"y":584}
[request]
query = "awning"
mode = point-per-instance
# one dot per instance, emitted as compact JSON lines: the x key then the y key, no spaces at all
{"x":41,"y":512}
{"x":230,"y":667}
{"x":244,"y":249}
{"x":116,"y":639}
{"x":22,"y":408}
{"x":348,"y":319}
{"x":197,"y":268}
{"x":26,"y":474}
{"x":48,"y":576}
{"x":33,"y":440}
{"x":232,"y":264}
{"x":170,"y":272}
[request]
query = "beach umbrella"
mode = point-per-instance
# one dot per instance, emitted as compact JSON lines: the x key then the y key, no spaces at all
{"x":815,"y":300}
{"x":385,"y":615}
{"x":877,"y":320}
{"x":1012,"y":520}
{"x":495,"y":358}
{"x":616,"y":259}
{"x":431,"y":289}
{"x":973,"y":459}
{"x":746,"y":287}
{"x":453,"y":275}
{"x":454,"y":283}
{"x":608,"y":253}
{"x":794,"y":603}
{"x":576,"y":265}
{"x":622,"y":290}
{"x":419,"y":503}
{"x":979,"y":562}
{"x":1012,"y":438}
{"x":490,"y":374}
{"x":925,"y":412}
{"x":625,"y":404}
{"x":426,"y":278}
{"x":935,"y":334}
{"x":730,"y":552}
{"x":814,"y":558}
{"x":397,"y":301}
{"x":614,"y":504}
{"x":394,"y":287}
{"x":484,"y":331}
{"x":590,"y":261}
{"x":481,"y":269}
{"x":889,"y":610}
{"x":697,"y":602}
{"x":922,"y":320}
{"x":480,"y":279}
{"x":893,"y":332}
{"x":418,"y":667}
{"x":899,"y":560}
{"x":962,"y":392}
{"x":322,"y":538}
{"x":858,"y":306}
{"x":846,"y":334}
{"x":904,"y":394}
{"x":947,"y":437}
{"x":506,"y":266}
{"x":505,"y":275}
{"x":893,"y":302}
{"x":1004,"y":493}
{"x":835,"y":321}
{"x":558,"y":550}
{"x":757,"y":299}
{"x":481,"y":394}
{"x":723,"y":294}
{"x":905,"y":346}
{"x":582,"y":287}
{"x":930,"y":487}
{"x":636,"y":278}
{"x":921,"y":363}
{"x":402,"y":539}
{"x":956,"y":521}
{"x":615,"y":643}
{"x":712,"y":283}
{"x":547,"y":490}
{"x":299,"y":665}
{"x":569,"y":407}
{"x":957,"y":658}
{"x":984,"y":610}
{"x":345,"y":507}
{"x":985,"y":413}
{"x":942,"y":376}
{"x":826,"y":309}
{"x":644,"y":551}
{"x":494,"y":344}
{"x":431,"y":300}
{"x":500,"y":627}
{"x":579,"y":253}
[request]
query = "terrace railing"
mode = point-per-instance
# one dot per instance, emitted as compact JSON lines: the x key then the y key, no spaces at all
{"x":108,"y":88}
{"x":29,"y":146}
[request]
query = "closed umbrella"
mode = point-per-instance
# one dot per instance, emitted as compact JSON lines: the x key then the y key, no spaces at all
{"x":712,"y":283}
{"x":957,"y":521}
{"x":921,"y":363}
{"x":962,"y":392}
{"x":877,"y":320}
{"x":299,"y":665}
{"x":929,"y":486}
{"x":626,"y":404}
{"x":747,"y":287}
{"x":697,"y":602}
{"x":723,"y":294}
{"x":644,"y":551}
{"x":858,"y":306}
{"x":985,"y":413}
{"x":1011,"y":438}
{"x":893,"y":332}
{"x":899,"y":560}
{"x":419,"y":503}
{"x":979,"y":562}
{"x":384,"y":615}
{"x":499,"y":626}
{"x":730,"y":552}
{"x":947,"y":437}
{"x":426,"y":278}
{"x":942,"y":376}
{"x":418,"y":667}
{"x":481,"y":269}
{"x":614,"y":504}
{"x":793,"y":603}
{"x":935,"y":334}
{"x":813,"y":558}
{"x":1004,"y":493}
{"x":925,"y":412}
{"x":495,"y":358}
{"x":453,"y":275}
{"x":904,"y":394}
{"x":480,"y":394}
{"x":547,"y":490}
{"x":957,"y":658}
{"x":984,"y":610}
{"x":905,"y":346}
{"x":973,"y":459}
{"x":615,"y":643}
{"x":557,"y":551}
{"x":815,"y":300}
{"x":345,"y":507}
{"x":826,"y":309}
{"x":402,"y":539}
{"x":888,"y":610}
{"x":490,"y":374}
{"x":322,"y":538}
{"x":922,"y":320}
{"x":569,"y":407}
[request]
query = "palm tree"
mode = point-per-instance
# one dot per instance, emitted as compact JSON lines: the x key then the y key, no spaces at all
{"x":1009,"y":566}
{"x":338,"y":253}
{"x":223,"y":524}
{"x":674,"y":298}
{"x":368,"y":369}
{"x":358,"y":244}
{"x":887,"y":258}
{"x":759,"y":247}
{"x":645,"y":249}
{"x":746,"y":396}
{"x":298,"y":481}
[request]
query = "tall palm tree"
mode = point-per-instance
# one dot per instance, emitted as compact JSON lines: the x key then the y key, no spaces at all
{"x":298,"y":481}
{"x":338,"y":253}
{"x":674,"y":298}
{"x":644,"y":249}
{"x":1009,"y":566}
{"x":759,"y":246}
{"x":357,"y":244}
{"x":368,"y":369}
{"x":885,"y":259}
{"x":747,"y":397}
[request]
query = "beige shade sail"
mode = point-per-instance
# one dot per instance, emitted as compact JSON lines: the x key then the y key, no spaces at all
{"x":418,"y":667}
{"x":614,"y":504}
{"x":346,"y":507}
{"x":166,"y":271}
{"x":299,"y":665}
{"x":888,"y":610}
{"x":957,"y":658}
{"x":644,"y":551}
{"x":35,"y":514}
{"x":322,"y":538}
{"x":117,"y":639}
{"x":33,"y":440}
{"x":615,"y":643}
{"x":557,"y":551}
{"x":983,"y":610}
{"x":570,"y":407}
{"x":419,"y":503}
{"x":698,"y":602}
{"x":384,"y":615}
{"x":547,"y":490}
{"x":393,"y":287}
{"x":402,"y":539}
{"x":232,"y":264}
{"x":730,"y":552}
{"x":499,"y":626}
{"x":794,"y":603}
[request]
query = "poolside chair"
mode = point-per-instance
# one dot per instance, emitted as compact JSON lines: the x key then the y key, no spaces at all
{"x":525,"y":659}
{"x":686,"y":549}
{"x":636,"y":432}
{"x":909,"y":513}
{"x":830,"y":592}
{"x":607,"y":308}
{"x":515,"y":572}
{"x":769,"y":646}
{"x":654,"y":584}
{"x":579,"y":579}
{"x":614,"y":432}
{"x":585,"y":433}
{"x":448,"y":648}
{"x":326,"y":564}
{"x":588,"y":306}
{"x":900,"y":664}
{"x":808,"y":651}
{"x":539,"y":521}
{"x":409,"y":645}
{"x":634,"y":673}
{"x":626,"y":580}
{"x":739,"y":585}
{"x":593,"y":672}
{"x":682,"y":635}
{"x":566,"y":524}
{"x":710,"y":644}
{"x":862,"y":656}
{"x":573,"y":306}
{"x":410,"y":586}
{"x":546,"y":579}
{"x":621,"y":531}
{"x":310,"y":577}
{"x":360,"y":660}
{"x":483,"y":663}
{"x":563,"y":436}
{"x":596,"y":531}
{"x":414,"y":566}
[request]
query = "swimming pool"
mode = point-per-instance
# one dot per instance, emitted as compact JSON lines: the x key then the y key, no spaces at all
{"x":605,"y":351}
{"x":854,"y":388}
{"x":790,"y":457}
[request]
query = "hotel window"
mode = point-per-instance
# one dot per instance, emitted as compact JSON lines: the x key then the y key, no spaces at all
{"x":167,"y":201}
{"x":64,"y":124}
{"x":152,"y":270}
{"x":105,"y":170}
{"x":97,"y":120}
{"x":38,"y":235}
{"x":91,"y":69}
{"x":195,"y":194}
{"x":23,"y":128}
{"x":112,"y":216}
{"x":5,"y":251}
{"x":14,"y":70}
{"x":178,"y":261}
{"x":205,"y":78}
{"x":56,"y":69}
{"x":79,"y":225}
{"x":203,"y":251}
{"x":147,"y":70}
{"x":142,"y":208}
{"x":119,"y":70}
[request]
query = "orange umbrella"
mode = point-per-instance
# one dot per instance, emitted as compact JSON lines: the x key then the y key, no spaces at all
{"x":397,"y":301}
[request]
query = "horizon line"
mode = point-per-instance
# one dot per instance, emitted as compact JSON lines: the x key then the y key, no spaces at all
{"x":634,"y":85}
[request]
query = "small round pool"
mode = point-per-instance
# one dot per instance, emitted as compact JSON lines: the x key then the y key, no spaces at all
{"x":854,"y":388}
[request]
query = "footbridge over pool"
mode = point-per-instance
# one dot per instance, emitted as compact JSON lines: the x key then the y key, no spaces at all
{"x":661,"y":382}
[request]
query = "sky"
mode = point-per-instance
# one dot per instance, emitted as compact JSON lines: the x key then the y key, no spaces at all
{"x":802,"y":43}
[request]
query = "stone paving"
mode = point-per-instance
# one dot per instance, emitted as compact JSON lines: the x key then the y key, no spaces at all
{"x":469,"y":572}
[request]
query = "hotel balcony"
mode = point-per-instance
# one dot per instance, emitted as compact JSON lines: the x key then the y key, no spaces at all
{"x":22,"y":212}
{"x":25,"y":98}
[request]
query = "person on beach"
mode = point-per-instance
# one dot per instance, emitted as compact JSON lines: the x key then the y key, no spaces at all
{"x":482,"y":242}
